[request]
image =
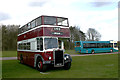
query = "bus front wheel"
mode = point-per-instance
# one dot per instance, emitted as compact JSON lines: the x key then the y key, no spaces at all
{"x":67,"y":66}
{"x":40,"y":66}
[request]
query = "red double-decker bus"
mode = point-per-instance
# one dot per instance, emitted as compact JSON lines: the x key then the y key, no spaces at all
{"x":41,"y":43}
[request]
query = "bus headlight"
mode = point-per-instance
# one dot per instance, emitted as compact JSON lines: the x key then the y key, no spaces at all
{"x":64,"y":58}
{"x":67,"y":57}
{"x":49,"y":58}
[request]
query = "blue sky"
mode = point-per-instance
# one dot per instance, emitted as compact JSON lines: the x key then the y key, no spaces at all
{"x":99,"y":14}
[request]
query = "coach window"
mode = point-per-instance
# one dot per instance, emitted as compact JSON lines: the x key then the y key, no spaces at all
{"x":111,"y":45}
{"x":28,"y":46}
{"x":33,"y":24}
{"x":77,"y":44}
{"x":38,"y":21}
{"x":23,"y":28}
{"x":85,"y":45}
{"x":49,"y":20}
{"x":41,"y":44}
{"x":62,"y":21}
{"x":93,"y":45}
{"x":38,"y":44}
{"x":115,"y":45}
{"x":25,"y":46}
{"x":28,"y":26}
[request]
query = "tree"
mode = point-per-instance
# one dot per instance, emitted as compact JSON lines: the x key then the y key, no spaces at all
{"x":9,"y":37}
{"x":93,"y":35}
{"x":75,"y":35}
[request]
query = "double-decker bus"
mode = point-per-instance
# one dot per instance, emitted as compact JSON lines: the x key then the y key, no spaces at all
{"x":95,"y":46}
{"x":41,"y":43}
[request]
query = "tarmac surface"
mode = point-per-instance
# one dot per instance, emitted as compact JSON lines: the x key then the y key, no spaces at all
{"x":72,"y":55}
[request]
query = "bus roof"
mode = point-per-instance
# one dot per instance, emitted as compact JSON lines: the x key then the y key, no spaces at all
{"x":94,"y":41}
{"x":43,"y":16}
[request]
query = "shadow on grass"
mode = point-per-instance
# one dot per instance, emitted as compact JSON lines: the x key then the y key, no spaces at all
{"x":50,"y":68}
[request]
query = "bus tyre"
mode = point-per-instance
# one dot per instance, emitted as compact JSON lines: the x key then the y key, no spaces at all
{"x":67,"y":66}
{"x":21,"y":59}
{"x":40,"y":66}
{"x":93,"y":52}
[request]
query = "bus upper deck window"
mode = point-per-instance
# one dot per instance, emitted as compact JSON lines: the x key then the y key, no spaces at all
{"x":49,"y":20}
{"x":62,"y":21}
{"x":29,"y":26}
{"x":33,"y":24}
{"x":38,"y":21}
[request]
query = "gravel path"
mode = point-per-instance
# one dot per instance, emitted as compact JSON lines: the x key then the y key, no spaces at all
{"x":8,"y":58}
{"x":94,"y":54}
{"x":14,"y":58}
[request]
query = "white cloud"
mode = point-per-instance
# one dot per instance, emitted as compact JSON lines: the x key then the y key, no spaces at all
{"x":104,"y":22}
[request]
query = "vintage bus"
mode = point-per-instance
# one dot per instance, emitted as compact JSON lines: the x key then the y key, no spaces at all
{"x":95,"y":46}
{"x":41,"y":43}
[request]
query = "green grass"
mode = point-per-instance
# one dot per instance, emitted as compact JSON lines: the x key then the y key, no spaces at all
{"x":9,"y":53}
{"x":95,"y":66}
{"x":0,"y":69}
{"x":71,"y":52}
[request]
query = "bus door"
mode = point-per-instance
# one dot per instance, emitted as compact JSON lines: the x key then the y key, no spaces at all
{"x":77,"y":46}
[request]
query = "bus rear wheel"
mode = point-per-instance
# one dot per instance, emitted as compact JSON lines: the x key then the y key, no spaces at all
{"x":40,"y":66}
{"x":111,"y":50}
{"x":21,"y":59}
{"x":93,"y":52}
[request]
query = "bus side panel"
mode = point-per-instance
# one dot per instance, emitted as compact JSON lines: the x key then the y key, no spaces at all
{"x":28,"y":57}
{"x":85,"y":50}
{"x":99,"y":50}
{"x":18,"y":55}
{"x":77,"y":49}
{"x":96,"y":50}
{"x":31,"y":34}
{"x":31,"y":59}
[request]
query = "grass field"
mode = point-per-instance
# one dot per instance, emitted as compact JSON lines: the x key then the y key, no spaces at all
{"x":0,"y":69}
{"x":71,"y":52}
{"x":9,"y":53}
{"x":95,"y":66}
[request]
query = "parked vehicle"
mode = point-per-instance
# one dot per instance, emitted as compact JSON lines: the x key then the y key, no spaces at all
{"x":96,"y":46}
{"x":40,"y":43}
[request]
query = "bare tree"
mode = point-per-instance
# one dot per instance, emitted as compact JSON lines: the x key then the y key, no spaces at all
{"x":93,"y":35}
{"x":77,"y":34}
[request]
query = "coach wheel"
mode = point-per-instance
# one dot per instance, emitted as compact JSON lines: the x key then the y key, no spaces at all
{"x":21,"y":59}
{"x":40,"y":66}
{"x":67,"y":66}
{"x":111,"y":50}
{"x":93,"y":52}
